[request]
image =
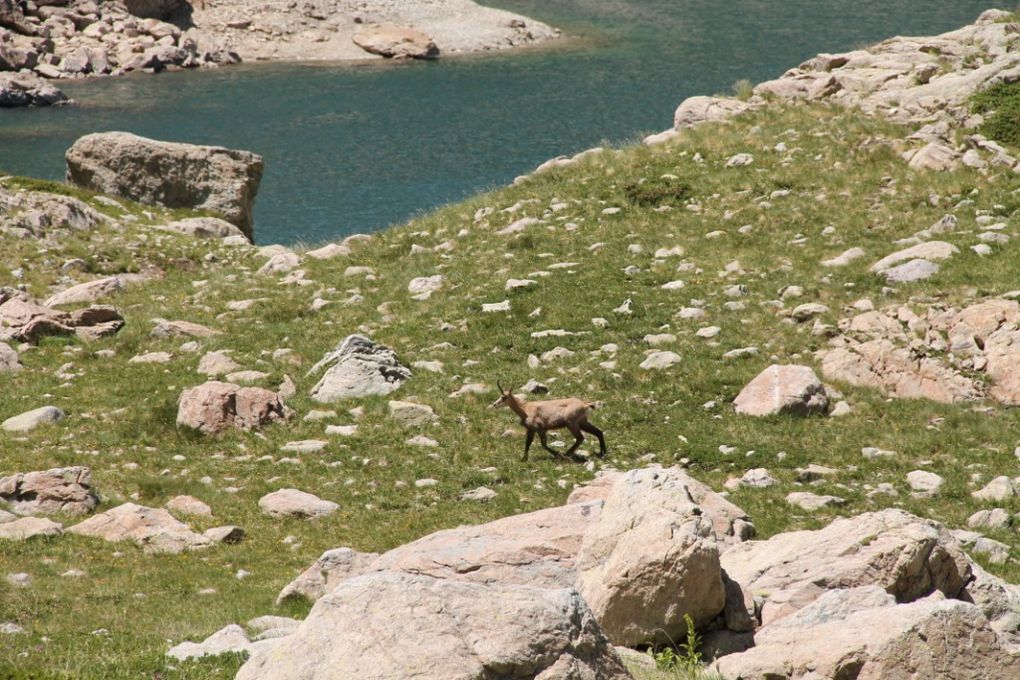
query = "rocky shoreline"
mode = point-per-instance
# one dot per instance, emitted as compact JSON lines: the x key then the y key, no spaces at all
{"x":70,"y":39}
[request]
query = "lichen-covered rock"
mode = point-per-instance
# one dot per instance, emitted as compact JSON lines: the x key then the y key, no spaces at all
{"x":358,"y":367}
{"x":458,"y":630}
{"x":173,"y":175}
{"x":67,"y":490}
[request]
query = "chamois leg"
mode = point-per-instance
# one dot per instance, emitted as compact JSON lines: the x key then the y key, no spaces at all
{"x":545,"y":445}
{"x":527,"y":444}
{"x":591,"y":429}
{"x":578,"y":437}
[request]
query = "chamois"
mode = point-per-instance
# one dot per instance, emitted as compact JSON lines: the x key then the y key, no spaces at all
{"x":542,"y":416}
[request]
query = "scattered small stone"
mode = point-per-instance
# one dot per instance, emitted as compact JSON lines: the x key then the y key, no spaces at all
{"x":482,"y":494}
{"x":924,"y":483}
{"x":811,"y":502}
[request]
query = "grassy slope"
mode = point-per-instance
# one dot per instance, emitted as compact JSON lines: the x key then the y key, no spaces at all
{"x":842,"y":170}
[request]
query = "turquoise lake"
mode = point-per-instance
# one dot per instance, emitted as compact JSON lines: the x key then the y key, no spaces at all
{"x":356,"y":147}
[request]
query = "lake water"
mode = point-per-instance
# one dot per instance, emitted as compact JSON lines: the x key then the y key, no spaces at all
{"x":354,"y":148}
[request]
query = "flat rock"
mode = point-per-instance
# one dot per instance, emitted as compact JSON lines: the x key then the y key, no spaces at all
{"x":189,"y":505}
{"x":460,"y":630}
{"x":32,"y":419}
{"x":930,"y":250}
{"x":87,"y":292}
{"x":204,"y":227}
{"x":329,"y":251}
{"x":154,"y":529}
{"x":294,"y":503}
{"x":908,"y":272}
{"x":29,"y":527}
{"x":358,"y":367}
{"x":811,"y":502}
{"x":165,"y":330}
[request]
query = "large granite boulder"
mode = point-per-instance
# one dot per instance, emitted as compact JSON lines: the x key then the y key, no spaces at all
{"x":358,"y":367}
{"x":393,"y":626}
{"x":223,"y":181}
{"x":396,"y":42}
{"x":863,"y":633}
{"x":27,"y":89}
{"x":155,"y":529}
{"x":794,"y":390}
{"x":214,"y":406}
{"x":908,"y":556}
{"x":67,"y":490}
{"x":651,"y":558}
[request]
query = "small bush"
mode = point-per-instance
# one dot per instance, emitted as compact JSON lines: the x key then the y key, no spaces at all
{"x":743,"y":89}
{"x":1000,"y":105}
{"x":655,"y":192}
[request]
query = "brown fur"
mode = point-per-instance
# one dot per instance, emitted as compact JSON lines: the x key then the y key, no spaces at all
{"x":538,"y":417}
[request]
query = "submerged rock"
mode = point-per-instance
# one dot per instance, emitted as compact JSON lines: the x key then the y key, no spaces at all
{"x":26,"y":89}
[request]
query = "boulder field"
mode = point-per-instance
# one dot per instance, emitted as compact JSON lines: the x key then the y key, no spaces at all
{"x":562,"y":592}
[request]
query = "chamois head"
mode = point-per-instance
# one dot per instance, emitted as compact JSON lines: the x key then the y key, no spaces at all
{"x":505,"y":397}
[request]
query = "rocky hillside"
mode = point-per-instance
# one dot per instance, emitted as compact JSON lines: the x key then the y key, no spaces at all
{"x":776,"y":302}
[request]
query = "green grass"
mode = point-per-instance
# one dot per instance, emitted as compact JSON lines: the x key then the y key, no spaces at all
{"x":1001,"y":105}
{"x":843,"y":171}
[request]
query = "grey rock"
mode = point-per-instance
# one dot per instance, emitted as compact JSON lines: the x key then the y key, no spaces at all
{"x":33,"y":419}
{"x":358,"y":367}
{"x":219,"y":180}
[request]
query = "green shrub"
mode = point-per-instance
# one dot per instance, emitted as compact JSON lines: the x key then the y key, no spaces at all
{"x":659,"y":191}
{"x":1000,"y":105}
